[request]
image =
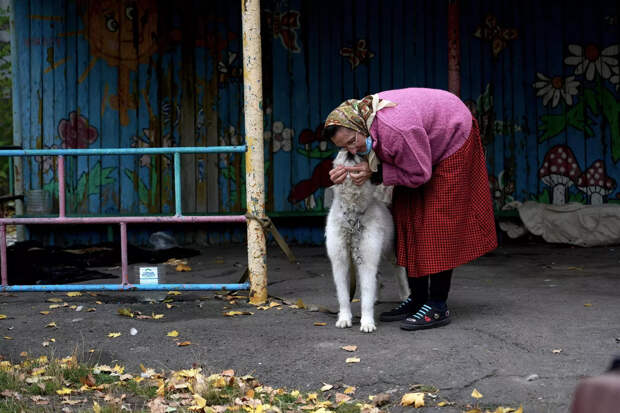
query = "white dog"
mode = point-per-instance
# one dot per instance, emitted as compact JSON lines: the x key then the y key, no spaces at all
{"x":359,"y":233}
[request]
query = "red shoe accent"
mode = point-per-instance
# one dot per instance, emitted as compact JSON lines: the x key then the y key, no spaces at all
{"x":427,"y":319}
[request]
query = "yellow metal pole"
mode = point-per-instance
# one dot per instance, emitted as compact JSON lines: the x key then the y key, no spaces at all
{"x":254,"y":159}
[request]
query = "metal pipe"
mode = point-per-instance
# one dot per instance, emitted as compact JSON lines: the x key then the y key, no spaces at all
{"x":254,"y":160}
{"x":127,"y":287}
{"x":177,"y":184}
{"x":124,"y":273}
{"x":3,"y":266}
{"x":61,"y":186}
{"x":121,"y":151}
{"x":127,"y":220}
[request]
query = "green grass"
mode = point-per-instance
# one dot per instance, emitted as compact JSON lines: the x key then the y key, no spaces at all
{"x":141,"y":390}
{"x":76,"y":374}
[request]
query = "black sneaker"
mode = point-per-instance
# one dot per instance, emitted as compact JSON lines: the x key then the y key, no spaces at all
{"x":402,"y":311}
{"x":427,"y":317}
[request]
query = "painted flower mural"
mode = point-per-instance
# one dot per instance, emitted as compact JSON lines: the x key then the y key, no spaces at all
{"x":556,"y":87}
{"x":559,"y":171}
{"x":146,"y":141}
{"x":75,"y":132}
{"x":595,"y":183}
{"x":590,"y":59}
{"x":284,"y":26}
{"x":47,"y":163}
{"x":280,"y":136}
{"x":495,"y":34}
{"x":357,"y":54}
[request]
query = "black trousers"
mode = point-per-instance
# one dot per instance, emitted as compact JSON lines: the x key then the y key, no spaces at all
{"x":438,"y":291}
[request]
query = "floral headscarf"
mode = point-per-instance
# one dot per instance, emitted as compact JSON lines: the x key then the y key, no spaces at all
{"x":357,"y":114}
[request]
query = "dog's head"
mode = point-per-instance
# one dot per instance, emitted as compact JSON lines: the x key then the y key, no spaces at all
{"x":346,"y":158}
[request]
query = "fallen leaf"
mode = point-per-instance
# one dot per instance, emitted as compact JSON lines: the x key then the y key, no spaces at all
{"x":587,"y":305}
{"x":228,"y":373}
{"x":64,"y":391}
{"x":54,"y":300}
{"x":300,"y":304}
{"x":519,"y":410}
{"x":54,"y":306}
{"x":2,"y":316}
{"x":476,"y":410}
{"x":114,"y":335}
{"x":556,"y":350}
{"x":381,"y":399}
{"x":352,"y":360}
{"x":8,"y":338}
{"x":157,"y":316}
{"x":51,"y":325}
{"x":326,"y":387}
{"x":126,"y":312}
{"x":183,"y":268}
{"x":349,"y":390}
{"x":476,"y":394}
{"x":44,"y":312}
{"x":234,"y":313}
{"x":174,"y":293}
{"x":23,"y":354}
{"x":175,"y":261}
{"x":169,"y":306}
{"x":91,"y":309}
{"x":349,"y":348}
{"x":442,"y":404}
{"x":96,"y":407}
{"x":184,"y":343}
{"x":173,"y":333}
{"x":74,"y":293}
{"x":98,"y":302}
{"x":199,"y":403}
{"x":413,"y":399}
{"x":355,"y":300}
{"x":320,"y":324}
{"x":45,"y":344}
{"x":89,"y":380}
{"x":295,"y":393}
{"x":342,"y":398}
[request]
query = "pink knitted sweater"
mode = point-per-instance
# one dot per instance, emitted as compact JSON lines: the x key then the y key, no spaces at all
{"x":425,"y":127}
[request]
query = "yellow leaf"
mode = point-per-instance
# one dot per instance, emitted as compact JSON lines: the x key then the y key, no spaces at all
{"x":98,"y":302}
{"x":96,"y":407}
{"x":352,"y":360}
{"x":183,"y":268}
{"x":587,"y":305}
{"x":355,"y":300}
{"x":44,"y":312}
{"x":349,"y":348}
{"x":8,"y":338}
{"x":51,"y":325}
{"x":2,"y":316}
{"x":476,"y":394}
{"x":274,"y":304}
{"x":53,"y":340}
{"x":54,"y":300}
{"x":442,"y":404}
{"x":173,"y":333}
{"x":326,"y":387}
{"x":54,"y":306}
{"x":184,"y":343}
{"x":200,"y":401}
{"x":300,"y":304}
{"x":114,"y":335}
{"x":413,"y":399}
{"x":64,"y":391}
{"x":158,"y":316}
{"x":519,"y":410}
{"x":476,"y":410}
{"x":126,"y":312}
{"x":174,"y":293}
{"x":23,"y":354}
{"x":234,"y":313}
{"x":320,"y":324}
{"x":73,"y":307}
{"x":169,"y":306}
{"x":90,"y":310}
{"x":312,"y":396}
{"x":74,"y":293}
{"x":349,"y":390}
{"x":295,"y":393}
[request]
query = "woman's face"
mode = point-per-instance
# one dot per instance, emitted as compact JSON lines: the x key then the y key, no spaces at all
{"x":351,"y":140}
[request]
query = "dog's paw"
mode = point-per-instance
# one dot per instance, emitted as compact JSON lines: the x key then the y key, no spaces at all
{"x":344,"y":323}
{"x":368,"y":327}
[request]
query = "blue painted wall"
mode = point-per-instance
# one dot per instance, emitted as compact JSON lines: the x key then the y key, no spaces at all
{"x":537,"y":75}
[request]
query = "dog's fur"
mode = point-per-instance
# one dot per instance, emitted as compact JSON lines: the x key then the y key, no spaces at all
{"x":359,"y":232}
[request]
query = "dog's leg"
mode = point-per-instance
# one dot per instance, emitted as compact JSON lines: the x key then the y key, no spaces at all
{"x":341,"y":270}
{"x":403,"y":284}
{"x":368,"y":280}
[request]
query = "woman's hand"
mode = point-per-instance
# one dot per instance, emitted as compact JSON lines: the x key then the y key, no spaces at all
{"x":359,"y":173}
{"x":338,"y":174}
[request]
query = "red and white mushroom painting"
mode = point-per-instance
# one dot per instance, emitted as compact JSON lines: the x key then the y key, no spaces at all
{"x":595,"y":183}
{"x":560,"y":171}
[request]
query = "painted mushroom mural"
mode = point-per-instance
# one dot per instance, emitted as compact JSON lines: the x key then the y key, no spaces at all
{"x":595,"y":183}
{"x":559,"y":171}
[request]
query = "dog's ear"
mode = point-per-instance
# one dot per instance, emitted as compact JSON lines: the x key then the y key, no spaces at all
{"x":341,"y":158}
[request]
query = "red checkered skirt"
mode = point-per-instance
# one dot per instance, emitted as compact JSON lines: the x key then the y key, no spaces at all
{"x":449,"y":220}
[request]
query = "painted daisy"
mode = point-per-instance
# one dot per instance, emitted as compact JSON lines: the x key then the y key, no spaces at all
{"x":554,"y":88}
{"x":591,"y":60}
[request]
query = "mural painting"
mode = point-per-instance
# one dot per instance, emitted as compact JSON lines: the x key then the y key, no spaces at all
{"x":544,"y":88}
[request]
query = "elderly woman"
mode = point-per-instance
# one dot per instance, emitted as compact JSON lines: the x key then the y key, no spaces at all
{"x":426,"y":143}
